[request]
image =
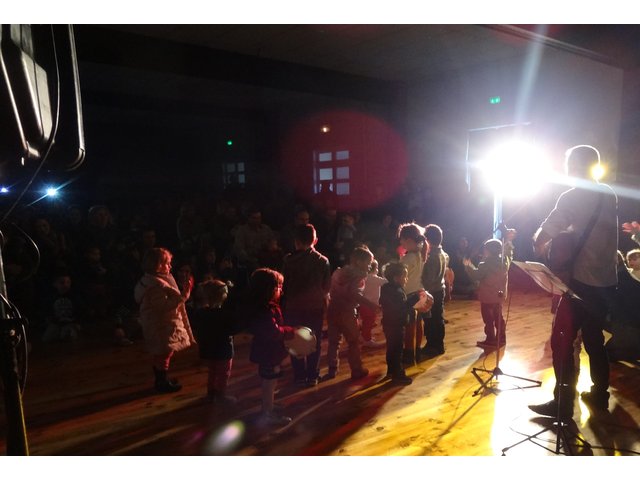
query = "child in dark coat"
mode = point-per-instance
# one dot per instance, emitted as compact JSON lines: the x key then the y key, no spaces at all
{"x":396,"y":311}
{"x":433,"y":281}
{"x":307,"y":275}
{"x":267,"y":346}
{"x":214,"y":324}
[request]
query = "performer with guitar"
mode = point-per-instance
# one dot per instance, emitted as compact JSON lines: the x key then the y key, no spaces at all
{"x":589,"y":212}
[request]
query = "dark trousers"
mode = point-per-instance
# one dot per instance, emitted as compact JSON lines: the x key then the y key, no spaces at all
{"x":434,"y":322}
{"x":587,"y":314}
{"x":493,"y":321}
{"x":219,"y":372}
{"x":306,"y":368}
{"x":394,"y":335}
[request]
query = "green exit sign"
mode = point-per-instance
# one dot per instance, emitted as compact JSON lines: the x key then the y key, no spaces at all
{"x":495,"y":100}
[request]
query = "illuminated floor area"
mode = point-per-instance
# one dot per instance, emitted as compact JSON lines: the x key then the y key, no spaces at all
{"x":96,"y":399}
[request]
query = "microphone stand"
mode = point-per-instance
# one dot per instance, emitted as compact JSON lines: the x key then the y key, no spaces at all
{"x":10,"y":338}
{"x":497,"y":372}
{"x":563,"y":435}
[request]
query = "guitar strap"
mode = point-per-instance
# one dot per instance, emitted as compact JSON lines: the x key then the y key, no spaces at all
{"x":587,"y":230}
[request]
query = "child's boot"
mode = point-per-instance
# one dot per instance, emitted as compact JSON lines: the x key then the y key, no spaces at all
{"x":163,"y":384}
{"x":333,"y":371}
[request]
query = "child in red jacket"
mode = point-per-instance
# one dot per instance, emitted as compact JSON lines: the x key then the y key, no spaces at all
{"x":266,"y":326}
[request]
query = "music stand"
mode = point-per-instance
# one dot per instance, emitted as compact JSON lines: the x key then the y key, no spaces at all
{"x":549,"y":282}
{"x":544,"y":278}
{"x":496,"y":372}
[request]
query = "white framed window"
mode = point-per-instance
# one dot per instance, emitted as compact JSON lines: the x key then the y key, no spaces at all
{"x":332,"y":168}
{"x":232,"y":173}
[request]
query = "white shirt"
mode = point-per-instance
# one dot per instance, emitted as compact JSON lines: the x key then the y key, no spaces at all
{"x":372,"y":287}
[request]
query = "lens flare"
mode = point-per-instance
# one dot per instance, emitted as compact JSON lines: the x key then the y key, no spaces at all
{"x":516,"y":168}
{"x":598,"y":171}
{"x":224,"y":440}
{"x":360,"y":157}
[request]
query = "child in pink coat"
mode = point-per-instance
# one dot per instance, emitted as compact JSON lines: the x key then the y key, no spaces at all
{"x":165,"y":325}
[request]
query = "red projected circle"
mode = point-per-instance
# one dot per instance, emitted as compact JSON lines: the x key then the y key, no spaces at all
{"x":359,"y":157}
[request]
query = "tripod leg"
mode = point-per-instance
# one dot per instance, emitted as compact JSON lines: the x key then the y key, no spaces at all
{"x":525,"y":439}
{"x":564,"y":438}
{"x":492,"y":317}
{"x":561,"y":439}
{"x":483,"y":383}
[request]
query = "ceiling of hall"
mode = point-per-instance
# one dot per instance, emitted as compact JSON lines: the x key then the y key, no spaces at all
{"x":398,"y":52}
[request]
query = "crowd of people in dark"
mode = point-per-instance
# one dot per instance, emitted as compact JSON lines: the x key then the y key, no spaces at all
{"x":92,"y":253}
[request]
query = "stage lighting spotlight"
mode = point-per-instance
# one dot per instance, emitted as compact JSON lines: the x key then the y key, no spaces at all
{"x":51,"y":192}
{"x":598,"y":171}
{"x":516,"y":168}
{"x":4,"y":190}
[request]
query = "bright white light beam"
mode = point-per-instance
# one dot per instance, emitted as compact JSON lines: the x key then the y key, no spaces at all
{"x":516,"y":169}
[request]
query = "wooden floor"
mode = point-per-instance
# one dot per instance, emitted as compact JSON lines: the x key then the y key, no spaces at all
{"x":92,"y":398}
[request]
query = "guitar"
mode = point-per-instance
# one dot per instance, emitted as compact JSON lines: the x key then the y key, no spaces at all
{"x":560,"y":255}
{"x":563,"y":250}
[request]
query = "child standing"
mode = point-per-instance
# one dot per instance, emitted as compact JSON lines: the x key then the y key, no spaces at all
{"x":307,"y":278}
{"x":347,"y":285}
{"x":433,"y":281}
{"x":165,"y":325}
{"x":214,"y":325}
{"x":492,"y":273}
{"x":414,"y":245}
{"x":397,"y":308}
{"x":368,"y":315}
{"x":61,"y":321}
{"x":92,"y":280}
{"x":267,"y":346}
